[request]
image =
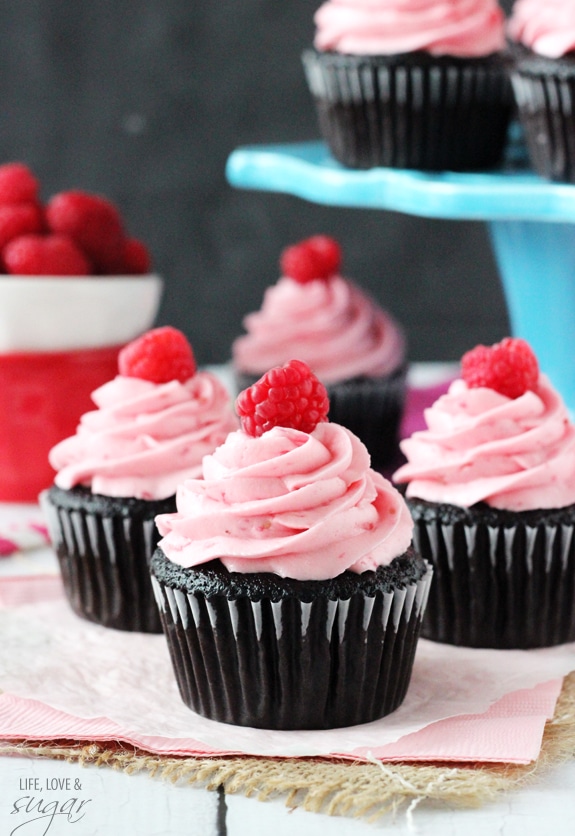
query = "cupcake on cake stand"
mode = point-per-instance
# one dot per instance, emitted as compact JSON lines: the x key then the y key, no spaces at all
{"x":530,"y":222}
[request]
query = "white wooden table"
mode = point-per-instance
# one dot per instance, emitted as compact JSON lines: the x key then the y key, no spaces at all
{"x":138,"y":805}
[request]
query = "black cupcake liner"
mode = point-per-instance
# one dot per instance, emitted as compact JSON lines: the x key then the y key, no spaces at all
{"x":545,"y":96}
{"x":417,"y":111}
{"x":502,"y":580}
{"x":285,"y":662}
{"x":371,"y":407}
{"x":104,"y":545}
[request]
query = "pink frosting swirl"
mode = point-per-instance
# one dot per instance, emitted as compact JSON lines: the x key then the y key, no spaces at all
{"x":330,"y":325}
{"x":145,"y":437}
{"x":465,"y":28}
{"x":517,"y":454}
{"x":304,"y":506}
{"x":545,"y":26}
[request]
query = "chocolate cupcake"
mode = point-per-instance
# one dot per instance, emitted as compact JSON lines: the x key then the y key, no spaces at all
{"x":277,"y":653}
{"x":154,"y":422}
{"x":355,"y":347}
{"x":288,"y":590}
{"x":503,"y":579}
{"x":491,"y":488}
{"x":543,"y":78}
{"x":423,"y":87}
{"x":103,"y":544}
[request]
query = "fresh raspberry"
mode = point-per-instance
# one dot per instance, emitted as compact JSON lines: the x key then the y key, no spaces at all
{"x":318,"y":257}
{"x":509,"y":367}
{"x":160,"y":355}
{"x":19,"y":219}
{"x":286,"y":396}
{"x":45,"y":255}
{"x":93,"y":222}
{"x":135,"y":258}
{"x":17,"y":184}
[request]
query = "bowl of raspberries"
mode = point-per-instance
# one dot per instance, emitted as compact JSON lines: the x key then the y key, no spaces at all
{"x":75,"y":287}
{"x":73,"y":276}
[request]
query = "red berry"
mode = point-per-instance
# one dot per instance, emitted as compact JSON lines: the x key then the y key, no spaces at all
{"x":135,"y":258}
{"x":509,"y":367}
{"x":19,"y":219}
{"x":93,"y":222}
{"x":318,"y":257}
{"x":45,"y":255}
{"x":160,"y":355}
{"x":17,"y":184}
{"x":286,"y":396}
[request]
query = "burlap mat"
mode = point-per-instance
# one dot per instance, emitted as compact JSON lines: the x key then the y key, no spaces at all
{"x":341,"y":788}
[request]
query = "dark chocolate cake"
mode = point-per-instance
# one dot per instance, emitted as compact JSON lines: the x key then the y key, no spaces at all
{"x":544,"y":88}
{"x":412,"y":110}
{"x":270,"y":652}
{"x":102,"y":543}
{"x":502,"y":579}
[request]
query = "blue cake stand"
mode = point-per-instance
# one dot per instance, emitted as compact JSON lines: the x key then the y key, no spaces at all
{"x":530,"y":222}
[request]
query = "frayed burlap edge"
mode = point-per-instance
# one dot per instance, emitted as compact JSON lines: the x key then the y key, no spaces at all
{"x":340,"y":788}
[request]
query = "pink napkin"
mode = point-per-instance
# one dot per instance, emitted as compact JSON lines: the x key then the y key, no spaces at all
{"x":16,"y":590}
{"x":66,"y":678}
{"x":22,"y":536}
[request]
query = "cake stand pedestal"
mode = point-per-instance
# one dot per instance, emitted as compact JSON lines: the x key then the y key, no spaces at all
{"x":530,"y":222}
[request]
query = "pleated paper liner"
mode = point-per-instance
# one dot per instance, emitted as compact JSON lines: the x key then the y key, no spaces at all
{"x":371,"y":407}
{"x":544,"y":91}
{"x":502,"y":579}
{"x":104,"y":545}
{"x":268,"y":655}
{"x":411,"y":111}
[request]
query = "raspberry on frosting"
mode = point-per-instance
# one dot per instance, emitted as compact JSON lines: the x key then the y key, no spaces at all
{"x":286,"y":396}
{"x":501,"y":434}
{"x":509,"y":367}
{"x":318,"y":257}
{"x":320,"y":317}
{"x":159,"y":355}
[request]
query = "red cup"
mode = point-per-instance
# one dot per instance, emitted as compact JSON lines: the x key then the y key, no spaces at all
{"x":42,"y":397}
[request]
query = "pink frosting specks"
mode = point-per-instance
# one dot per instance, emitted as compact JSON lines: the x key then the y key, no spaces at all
{"x":480,"y":445}
{"x":329,"y":324}
{"x":545,"y":26}
{"x":145,"y":437}
{"x":304,"y":506}
{"x":465,"y":28}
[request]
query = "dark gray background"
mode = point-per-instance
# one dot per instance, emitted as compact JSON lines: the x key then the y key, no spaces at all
{"x":144,"y":101}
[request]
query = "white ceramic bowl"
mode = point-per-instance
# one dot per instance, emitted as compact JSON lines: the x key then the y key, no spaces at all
{"x":53,"y":313}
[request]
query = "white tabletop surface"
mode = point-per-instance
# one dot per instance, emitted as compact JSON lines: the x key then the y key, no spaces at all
{"x":114,"y":802}
{"x":138,"y":805}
